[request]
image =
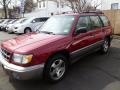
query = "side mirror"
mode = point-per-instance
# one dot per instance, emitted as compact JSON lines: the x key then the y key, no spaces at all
{"x":81,"y":30}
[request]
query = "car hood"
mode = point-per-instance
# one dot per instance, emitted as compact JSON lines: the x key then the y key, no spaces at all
{"x":10,"y":25}
{"x":28,"y":39}
{"x":18,"y":25}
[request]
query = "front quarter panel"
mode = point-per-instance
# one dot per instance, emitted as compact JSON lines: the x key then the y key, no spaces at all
{"x":43,"y":50}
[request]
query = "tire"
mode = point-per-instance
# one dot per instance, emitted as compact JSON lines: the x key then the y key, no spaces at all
{"x":105,"y":46}
{"x":27,"y":30}
{"x":55,"y":68}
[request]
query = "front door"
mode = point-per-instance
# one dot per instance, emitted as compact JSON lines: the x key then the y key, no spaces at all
{"x":82,"y":41}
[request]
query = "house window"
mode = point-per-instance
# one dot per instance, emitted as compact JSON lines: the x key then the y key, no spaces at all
{"x":62,"y":5}
{"x":43,"y":3}
{"x":57,"y":4}
{"x":39,"y":4}
{"x":114,"y":6}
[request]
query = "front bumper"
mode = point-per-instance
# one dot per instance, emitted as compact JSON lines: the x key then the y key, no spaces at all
{"x":21,"y":73}
{"x":18,"y":31}
{"x":10,"y":30}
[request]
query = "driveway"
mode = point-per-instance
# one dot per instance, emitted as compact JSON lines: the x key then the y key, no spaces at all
{"x":93,"y":72}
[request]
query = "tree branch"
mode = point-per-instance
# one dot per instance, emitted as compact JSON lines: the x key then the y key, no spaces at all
{"x":1,"y":2}
{"x":8,"y":2}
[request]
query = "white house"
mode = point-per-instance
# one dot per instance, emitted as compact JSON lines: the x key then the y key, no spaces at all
{"x":46,"y":8}
{"x":110,"y":4}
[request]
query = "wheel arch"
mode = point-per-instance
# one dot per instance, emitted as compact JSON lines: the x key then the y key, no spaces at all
{"x":109,"y":38}
{"x":27,"y":28}
{"x":61,"y":52}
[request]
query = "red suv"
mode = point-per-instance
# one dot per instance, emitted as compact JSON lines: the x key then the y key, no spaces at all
{"x":62,"y":40}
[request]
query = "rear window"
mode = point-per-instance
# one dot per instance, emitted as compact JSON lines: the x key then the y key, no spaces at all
{"x":105,"y":20}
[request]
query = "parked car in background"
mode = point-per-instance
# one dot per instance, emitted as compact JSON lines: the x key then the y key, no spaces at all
{"x":29,"y":24}
{"x":10,"y":26}
{"x":3,"y":27}
{"x":37,"y":28}
{"x":3,"y":21}
{"x":10,"y":23}
{"x":61,"y":41}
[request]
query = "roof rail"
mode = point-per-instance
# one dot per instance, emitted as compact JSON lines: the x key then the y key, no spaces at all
{"x":97,"y":12}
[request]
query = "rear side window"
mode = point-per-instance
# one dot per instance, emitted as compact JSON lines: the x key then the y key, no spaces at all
{"x":95,"y":22}
{"x":105,"y":20}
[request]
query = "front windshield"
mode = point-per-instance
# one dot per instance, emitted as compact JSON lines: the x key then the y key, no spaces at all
{"x":8,"y":21}
{"x":1,"y":21}
{"x":58,"y":25}
{"x":18,"y":21}
{"x":13,"y":21}
{"x":24,"y":20}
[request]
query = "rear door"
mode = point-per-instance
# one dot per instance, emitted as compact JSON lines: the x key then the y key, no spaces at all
{"x":106,"y":25}
{"x":35,"y":22}
{"x":96,"y":29}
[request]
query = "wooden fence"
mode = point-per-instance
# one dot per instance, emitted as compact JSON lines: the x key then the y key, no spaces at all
{"x":114,"y":17}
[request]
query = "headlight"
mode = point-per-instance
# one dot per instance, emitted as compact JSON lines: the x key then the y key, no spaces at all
{"x":22,"y":59}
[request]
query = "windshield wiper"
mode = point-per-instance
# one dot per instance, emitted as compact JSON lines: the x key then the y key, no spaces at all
{"x":47,"y":32}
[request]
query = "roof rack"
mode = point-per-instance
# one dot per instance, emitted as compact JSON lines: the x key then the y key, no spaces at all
{"x":97,"y":12}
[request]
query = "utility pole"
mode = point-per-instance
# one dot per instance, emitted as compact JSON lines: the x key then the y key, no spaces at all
{"x":22,"y":7}
{"x":5,"y":8}
{"x":59,"y":6}
{"x":47,"y":8}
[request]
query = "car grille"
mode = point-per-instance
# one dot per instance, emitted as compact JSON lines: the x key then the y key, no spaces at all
{"x":6,"y":54}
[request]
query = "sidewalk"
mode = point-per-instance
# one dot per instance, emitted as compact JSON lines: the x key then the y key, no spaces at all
{"x":116,"y":36}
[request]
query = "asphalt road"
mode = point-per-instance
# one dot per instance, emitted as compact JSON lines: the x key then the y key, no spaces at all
{"x":94,"y":72}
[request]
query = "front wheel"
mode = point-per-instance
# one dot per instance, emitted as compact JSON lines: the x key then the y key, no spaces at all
{"x":55,"y":68}
{"x":105,"y":46}
{"x":27,"y":30}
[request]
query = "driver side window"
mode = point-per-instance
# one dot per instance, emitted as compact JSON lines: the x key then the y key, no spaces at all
{"x":83,"y":22}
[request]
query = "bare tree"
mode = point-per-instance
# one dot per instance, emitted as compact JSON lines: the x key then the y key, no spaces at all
{"x":82,"y":5}
{"x":5,"y":4}
{"x":29,"y":5}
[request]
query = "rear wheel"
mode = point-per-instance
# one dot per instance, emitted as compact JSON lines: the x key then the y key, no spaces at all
{"x":56,"y":68}
{"x":105,"y":46}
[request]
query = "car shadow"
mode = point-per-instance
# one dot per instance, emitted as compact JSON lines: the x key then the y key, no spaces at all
{"x":89,"y":73}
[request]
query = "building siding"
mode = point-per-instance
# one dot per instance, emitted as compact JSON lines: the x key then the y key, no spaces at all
{"x":50,"y":7}
{"x":106,"y":4}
